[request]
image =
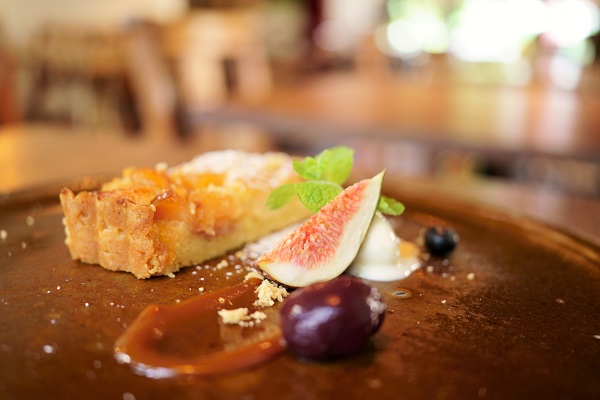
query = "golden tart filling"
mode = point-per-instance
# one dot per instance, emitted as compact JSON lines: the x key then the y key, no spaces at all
{"x":153,"y":221}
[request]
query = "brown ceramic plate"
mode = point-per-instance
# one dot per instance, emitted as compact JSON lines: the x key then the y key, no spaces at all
{"x":514,"y":313}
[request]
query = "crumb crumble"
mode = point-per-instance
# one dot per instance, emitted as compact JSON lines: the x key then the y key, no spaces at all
{"x":240,"y":316}
{"x":253,"y":274}
{"x":268,"y":292}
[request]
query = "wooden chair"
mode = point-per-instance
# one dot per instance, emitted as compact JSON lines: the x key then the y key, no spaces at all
{"x":150,"y":81}
{"x":218,"y":54}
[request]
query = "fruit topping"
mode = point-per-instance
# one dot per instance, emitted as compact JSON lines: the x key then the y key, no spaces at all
{"x":440,"y":240}
{"x":324,"y":246}
{"x":331,"y":319}
{"x":324,"y":175}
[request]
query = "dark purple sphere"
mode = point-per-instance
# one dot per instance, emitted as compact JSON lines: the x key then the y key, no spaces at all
{"x":331,"y":319}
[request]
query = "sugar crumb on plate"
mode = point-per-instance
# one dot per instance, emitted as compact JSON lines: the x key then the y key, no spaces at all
{"x":268,"y":292}
{"x":241,"y":316}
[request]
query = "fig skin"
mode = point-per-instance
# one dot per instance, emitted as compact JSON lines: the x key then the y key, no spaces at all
{"x":324,"y":246}
{"x":332,"y":319}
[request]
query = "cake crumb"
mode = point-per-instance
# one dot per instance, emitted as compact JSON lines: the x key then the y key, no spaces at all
{"x":3,"y":234}
{"x":268,"y":292}
{"x":30,"y":221}
{"x":470,"y":276}
{"x":241,"y":317}
{"x":258,"y":316}
{"x":233,"y":316}
{"x":253,"y":274}
{"x":222,"y":264}
{"x":240,"y":254}
{"x":128,"y":396}
{"x":171,"y":275}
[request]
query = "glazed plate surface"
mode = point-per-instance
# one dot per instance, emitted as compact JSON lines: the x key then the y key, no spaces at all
{"x":514,"y":313}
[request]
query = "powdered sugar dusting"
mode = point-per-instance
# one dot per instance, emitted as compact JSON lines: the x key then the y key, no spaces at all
{"x":256,"y":169}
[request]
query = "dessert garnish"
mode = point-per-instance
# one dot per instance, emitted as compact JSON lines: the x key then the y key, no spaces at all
{"x":440,"y":240}
{"x":324,"y":176}
{"x":331,"y":319}
{"x":324,"y":246}
{"x":383,"y":256}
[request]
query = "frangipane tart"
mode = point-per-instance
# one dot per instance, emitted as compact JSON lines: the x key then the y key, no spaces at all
{"x":155,"y":221}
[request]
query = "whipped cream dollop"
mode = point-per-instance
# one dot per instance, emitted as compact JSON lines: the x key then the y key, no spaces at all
{"x":383,"y":256}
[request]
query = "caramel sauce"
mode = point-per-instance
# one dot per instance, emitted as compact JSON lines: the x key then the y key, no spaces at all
{"x":190,"y":338}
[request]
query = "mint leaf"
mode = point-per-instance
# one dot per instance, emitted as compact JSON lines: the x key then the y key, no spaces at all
{"x":333,"y":165}
{"x":310,"y":168}
{"x":337,"y":164}
{"x":281,"y":196}
{"x":315,"y":194}
{"x":390,"y":206}
{"x":323,"y":177}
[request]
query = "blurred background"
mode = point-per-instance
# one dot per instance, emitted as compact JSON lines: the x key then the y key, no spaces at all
{"x":493,"y":89}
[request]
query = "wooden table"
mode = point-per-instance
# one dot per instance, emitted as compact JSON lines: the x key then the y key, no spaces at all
{"x":31,"y":156}
{"x":533,"y":120}
{"x":534,"y":134}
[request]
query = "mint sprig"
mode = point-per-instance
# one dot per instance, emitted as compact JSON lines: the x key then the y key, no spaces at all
{"x":315,"y":194}
{"x":281,"y":196}
{"x":324,"y":176}
{"x":390,"y":206}
{"x":333,"y":165}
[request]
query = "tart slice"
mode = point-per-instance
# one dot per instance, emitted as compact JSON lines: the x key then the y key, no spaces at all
{"x":155,"y":221}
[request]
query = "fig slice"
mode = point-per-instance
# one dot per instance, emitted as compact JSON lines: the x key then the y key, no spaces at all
{"x":324,"y":246}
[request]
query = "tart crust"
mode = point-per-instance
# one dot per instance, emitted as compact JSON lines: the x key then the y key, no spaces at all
{"x":155,"y":221}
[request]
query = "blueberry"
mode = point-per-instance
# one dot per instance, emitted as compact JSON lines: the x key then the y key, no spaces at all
{"x":440,"y":240}
{"x":331,"y":319}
